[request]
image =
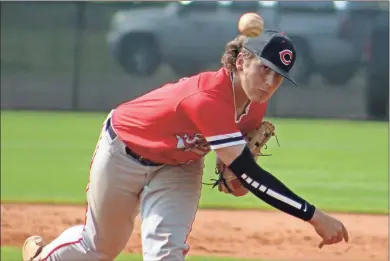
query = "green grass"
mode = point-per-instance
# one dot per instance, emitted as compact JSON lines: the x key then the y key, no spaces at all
{"x":14,"y":254}
{"x":337,"y":165}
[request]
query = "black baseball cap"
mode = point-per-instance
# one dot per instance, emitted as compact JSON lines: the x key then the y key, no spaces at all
{"x":275,"y":50}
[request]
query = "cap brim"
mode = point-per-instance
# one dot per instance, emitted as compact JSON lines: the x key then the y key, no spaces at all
{"x":277,"y":70}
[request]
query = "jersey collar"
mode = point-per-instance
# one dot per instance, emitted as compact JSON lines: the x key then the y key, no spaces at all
{"x":246,"y":111}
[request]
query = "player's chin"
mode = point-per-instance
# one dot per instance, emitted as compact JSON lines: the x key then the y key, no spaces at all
{"x":260,"y":98}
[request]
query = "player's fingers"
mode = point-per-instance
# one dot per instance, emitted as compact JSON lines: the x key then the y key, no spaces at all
{"x":345,"y":233}
{"x":328,"y":241}
{"x":340,"y":236}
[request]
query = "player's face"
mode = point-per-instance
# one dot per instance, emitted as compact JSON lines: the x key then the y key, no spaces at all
{"x":258,"y":81}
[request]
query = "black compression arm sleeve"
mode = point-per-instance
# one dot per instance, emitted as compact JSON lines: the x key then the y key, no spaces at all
{"x":268,"y":188}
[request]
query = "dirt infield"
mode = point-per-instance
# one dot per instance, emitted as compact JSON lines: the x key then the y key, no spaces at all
{"x":241,"y":234}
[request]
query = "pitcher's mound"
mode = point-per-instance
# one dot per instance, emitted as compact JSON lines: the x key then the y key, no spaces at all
{"x":242,"y":234}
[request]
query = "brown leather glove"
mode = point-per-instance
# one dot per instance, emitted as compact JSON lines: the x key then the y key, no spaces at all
{"x":256,"y":139}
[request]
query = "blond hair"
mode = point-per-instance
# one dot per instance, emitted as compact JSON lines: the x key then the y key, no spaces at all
{"x":232,"y":49}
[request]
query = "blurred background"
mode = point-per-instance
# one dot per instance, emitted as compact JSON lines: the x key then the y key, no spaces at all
{"x":90,"y":56}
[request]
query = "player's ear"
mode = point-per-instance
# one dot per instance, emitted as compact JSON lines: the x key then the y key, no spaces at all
{"x":240,"y":62}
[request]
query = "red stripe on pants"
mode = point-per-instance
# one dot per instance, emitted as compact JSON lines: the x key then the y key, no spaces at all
{"x":60,"y":246}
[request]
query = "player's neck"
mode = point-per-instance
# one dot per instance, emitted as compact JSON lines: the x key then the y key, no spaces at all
{"x":240,"y":97}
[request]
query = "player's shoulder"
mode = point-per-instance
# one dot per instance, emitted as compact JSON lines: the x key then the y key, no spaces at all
{"x":213,"y":91}
{"x":203,"y":89}
{"x":206,"y":80}
{"x":212,"y":84}
{"x":217,"y":80}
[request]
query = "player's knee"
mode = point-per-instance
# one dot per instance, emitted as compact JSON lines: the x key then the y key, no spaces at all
{"x":75,"y":243}
{"x":102,"y":249}
{"x":165,"y":247}
{"x":103,"y":254}
{"x":167,"y":252}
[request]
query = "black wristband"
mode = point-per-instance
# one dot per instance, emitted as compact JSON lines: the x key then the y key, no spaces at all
{"x":268,"y":188}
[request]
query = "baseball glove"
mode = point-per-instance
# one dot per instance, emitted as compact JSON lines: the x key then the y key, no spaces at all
{"x":256,"y":139}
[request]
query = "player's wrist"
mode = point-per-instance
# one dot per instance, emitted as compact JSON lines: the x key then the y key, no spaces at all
{"x":315,"y":219}
{"x":310,"y":212}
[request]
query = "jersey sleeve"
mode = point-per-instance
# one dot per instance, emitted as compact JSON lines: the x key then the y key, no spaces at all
{"x":214,"y":119}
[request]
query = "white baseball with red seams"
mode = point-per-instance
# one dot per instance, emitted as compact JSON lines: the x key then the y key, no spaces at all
{"x":251,"y":24}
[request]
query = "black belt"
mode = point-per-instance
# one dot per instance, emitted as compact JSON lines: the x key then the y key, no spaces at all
{"x":129,"y":152}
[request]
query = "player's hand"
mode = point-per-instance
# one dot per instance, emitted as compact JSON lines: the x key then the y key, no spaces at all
{"x":331,"y":230}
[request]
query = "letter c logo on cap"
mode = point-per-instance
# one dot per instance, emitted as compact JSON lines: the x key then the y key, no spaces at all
{"x":286,"y":56}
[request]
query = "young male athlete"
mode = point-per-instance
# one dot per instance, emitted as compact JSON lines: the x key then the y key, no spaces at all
{"x":149,"y":158}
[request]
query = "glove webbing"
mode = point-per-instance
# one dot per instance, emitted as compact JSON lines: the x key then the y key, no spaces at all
{"x":266,"y":147}
{"x":218,"y":181}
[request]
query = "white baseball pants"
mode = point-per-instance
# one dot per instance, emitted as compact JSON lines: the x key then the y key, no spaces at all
{"x":119,"y":189}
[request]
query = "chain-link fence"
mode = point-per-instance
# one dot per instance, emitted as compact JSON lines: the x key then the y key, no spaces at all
{"x":94,"y":55}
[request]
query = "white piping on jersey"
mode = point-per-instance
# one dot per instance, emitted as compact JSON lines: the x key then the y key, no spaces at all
{"x":247,"y":106}
{"x":224,"y":136}
{"x":227,"y":144}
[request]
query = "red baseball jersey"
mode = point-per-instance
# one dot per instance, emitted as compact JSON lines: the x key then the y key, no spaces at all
{"x":182,"y":121}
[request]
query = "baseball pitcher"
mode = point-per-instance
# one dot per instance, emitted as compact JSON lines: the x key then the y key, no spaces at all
{"x":149,"y":158}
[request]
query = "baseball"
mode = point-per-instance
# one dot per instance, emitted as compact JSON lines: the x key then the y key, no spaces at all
{"x":251,"y":25}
